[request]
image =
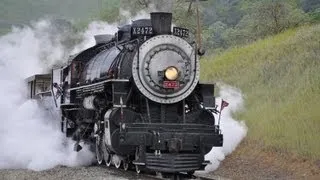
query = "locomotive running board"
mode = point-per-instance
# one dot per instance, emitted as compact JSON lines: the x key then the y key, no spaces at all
{"x":138,"y":163}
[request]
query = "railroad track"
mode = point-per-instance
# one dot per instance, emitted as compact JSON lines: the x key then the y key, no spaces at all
{"x":182,"y":176}
{"x":158,"y":176}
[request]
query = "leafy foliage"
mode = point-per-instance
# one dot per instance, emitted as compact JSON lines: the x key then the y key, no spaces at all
{"x":225,"y":23}
{"x":254,"y":20}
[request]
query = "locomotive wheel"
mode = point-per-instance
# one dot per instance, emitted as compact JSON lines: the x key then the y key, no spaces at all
{"x":106,"y":153}
{"x":117,"y":161}
{"x":137,"y":167}
{"x":99,"y":157}
{"x":117,"y":164}
{"x":99,"y":150}
{"x":108,"y":161}
{"x":107,"y":157}
{"x":190,"y":173}
{"x":125,"y":165}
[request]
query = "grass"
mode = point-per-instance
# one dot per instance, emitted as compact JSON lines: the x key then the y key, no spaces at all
{"x":280,"y":78}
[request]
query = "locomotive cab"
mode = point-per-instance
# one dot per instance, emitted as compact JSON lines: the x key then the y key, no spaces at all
{"x":39,"y":86}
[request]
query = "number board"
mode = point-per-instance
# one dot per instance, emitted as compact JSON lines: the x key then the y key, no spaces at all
{"x":142,"y":30}
{"x":181,"y":32}
{"x":171,"y":84}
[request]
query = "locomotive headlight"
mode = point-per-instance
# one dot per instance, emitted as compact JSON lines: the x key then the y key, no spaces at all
{"x":171,"y":73}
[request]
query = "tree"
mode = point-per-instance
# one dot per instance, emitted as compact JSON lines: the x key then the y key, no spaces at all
{"x":274,"y":16}
{"x":110,"y":10}
{"x":213,"y":35}
{"x":310,"y":5}
{"x":265,"y":18}
{"x":228,"y":12}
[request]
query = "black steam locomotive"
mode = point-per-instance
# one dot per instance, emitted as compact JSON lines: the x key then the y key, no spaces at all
{"x":136,"y":96}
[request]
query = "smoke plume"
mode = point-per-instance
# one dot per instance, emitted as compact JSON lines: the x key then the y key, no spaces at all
{"x":233,"y":130}
{"x":162,"y":5}
{"x":30,"y":137}
{"x":94,"y":28}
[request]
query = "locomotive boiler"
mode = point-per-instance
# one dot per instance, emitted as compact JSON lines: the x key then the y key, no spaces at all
{"x":137,"y":98}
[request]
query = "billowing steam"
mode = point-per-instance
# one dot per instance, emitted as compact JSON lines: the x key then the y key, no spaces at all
{"x":162,"y":5}
{"x":94,"y":28}
{"x":233,"y":131}
{"x":30,"y":137}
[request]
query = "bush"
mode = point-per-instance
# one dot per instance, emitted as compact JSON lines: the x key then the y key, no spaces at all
{"x":267,"y":18}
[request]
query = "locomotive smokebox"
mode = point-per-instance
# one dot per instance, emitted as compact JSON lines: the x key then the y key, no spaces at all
{"x":161,"y":22}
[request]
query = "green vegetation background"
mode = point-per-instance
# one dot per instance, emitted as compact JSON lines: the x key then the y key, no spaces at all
{"x":225,"y":23}
{"x":270,"y":49}
{"x":280,"y":79}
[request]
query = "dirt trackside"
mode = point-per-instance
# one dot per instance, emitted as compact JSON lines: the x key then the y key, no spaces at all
{"x":247,"y":162}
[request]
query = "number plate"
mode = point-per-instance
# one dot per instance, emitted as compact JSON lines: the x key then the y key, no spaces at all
{"x":142,"y":31}
{"x":171,"y":84}
{"x":181,"y":32}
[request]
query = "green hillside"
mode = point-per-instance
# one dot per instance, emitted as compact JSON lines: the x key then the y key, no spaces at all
{"x":280,"y":78}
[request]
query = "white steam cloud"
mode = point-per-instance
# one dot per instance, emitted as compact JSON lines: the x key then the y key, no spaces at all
{"x":29,"y":138}
{"x":162,"y":5}
{"x":94,"y":28}
{"x":233,"y":130}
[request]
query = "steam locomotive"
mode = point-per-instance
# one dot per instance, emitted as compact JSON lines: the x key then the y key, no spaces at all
{"x":136,"y":97}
